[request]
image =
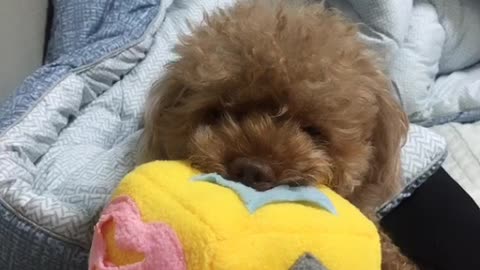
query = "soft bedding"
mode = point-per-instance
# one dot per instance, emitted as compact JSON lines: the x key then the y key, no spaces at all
{"x":47,"y":201}
{"x":70,"y":133}
{"x":430,"y":50}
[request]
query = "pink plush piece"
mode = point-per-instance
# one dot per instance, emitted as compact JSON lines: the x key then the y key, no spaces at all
{"x":156,"y":241}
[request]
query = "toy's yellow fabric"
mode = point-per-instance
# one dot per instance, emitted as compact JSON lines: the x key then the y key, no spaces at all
{"x":218,"y":232}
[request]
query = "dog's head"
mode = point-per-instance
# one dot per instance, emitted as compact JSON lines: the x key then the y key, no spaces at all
{"x":277,"y":95}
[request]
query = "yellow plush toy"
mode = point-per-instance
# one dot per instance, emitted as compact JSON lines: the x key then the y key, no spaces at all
{"x":164,"y":216}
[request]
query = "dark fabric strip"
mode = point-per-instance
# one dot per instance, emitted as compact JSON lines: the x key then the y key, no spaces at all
{"x":438,"y":226}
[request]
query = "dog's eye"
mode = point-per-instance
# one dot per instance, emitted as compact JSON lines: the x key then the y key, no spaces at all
{"x":213,"y":116}
{"x":312,"y":131}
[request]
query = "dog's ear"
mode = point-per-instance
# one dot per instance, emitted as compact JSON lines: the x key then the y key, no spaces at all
{"x":388,"y":139}
{"x":384,"y":175}
{"x":164,"y":98}
{"x":165,"y":95}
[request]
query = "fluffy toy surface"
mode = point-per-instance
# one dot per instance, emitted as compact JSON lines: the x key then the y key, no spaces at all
{"x":160,"y":218}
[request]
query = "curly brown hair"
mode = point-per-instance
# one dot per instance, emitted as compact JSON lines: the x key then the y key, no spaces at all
{"x":281,"y":92}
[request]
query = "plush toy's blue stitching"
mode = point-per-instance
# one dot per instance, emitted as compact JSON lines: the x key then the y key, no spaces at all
{"x":254,"y":199}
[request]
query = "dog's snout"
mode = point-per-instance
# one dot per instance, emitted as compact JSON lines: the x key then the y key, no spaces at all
{"x":256,"y":174}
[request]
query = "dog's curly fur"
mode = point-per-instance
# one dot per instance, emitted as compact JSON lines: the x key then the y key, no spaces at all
{"x":287,"y":88}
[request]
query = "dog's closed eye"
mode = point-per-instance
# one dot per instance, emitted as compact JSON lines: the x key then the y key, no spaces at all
{"x":213,"y":116}
{"x":315,"y":133}
{"x":311,"y":130}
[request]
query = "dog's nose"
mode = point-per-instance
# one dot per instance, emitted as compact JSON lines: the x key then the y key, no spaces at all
{"x":252,"y":173}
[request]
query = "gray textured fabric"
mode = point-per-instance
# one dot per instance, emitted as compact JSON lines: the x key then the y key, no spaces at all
{"x":83,"y":33}
{"x":62,"y":175}
{"x":308,"y":262}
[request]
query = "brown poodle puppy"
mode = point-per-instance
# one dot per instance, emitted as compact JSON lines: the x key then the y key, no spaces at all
{"x":271,"y":93}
